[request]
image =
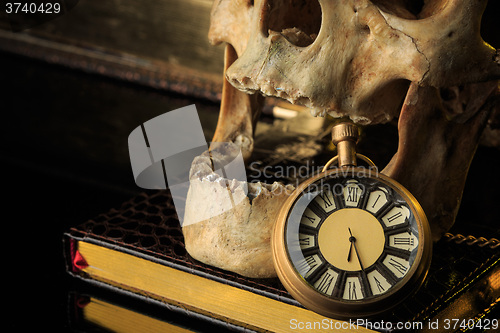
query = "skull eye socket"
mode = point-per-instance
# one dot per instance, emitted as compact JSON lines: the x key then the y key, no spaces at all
{"x":299,"y":21}
{"x":411,"y":9}
{"x":408,"y":9}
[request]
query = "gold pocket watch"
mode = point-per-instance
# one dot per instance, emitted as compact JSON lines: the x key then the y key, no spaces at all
{"x":351,"y":242}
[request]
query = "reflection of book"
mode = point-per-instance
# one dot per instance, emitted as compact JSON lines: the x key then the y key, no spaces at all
{"x":91,"y":308}
{"x":115,"y":318}
{"x":138,"y":250}
{"x":118,"y":319}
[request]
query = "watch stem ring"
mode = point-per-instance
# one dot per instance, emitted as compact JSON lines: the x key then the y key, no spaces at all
{"x":358,"y":156}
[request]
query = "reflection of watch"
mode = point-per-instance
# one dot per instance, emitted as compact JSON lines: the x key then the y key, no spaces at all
{"x":351,"y":242}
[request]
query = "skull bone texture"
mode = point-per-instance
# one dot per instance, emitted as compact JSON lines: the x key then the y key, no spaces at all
{"x":423,"y":63}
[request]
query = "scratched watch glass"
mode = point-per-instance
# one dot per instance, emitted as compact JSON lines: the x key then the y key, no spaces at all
{"x":354,"y":245}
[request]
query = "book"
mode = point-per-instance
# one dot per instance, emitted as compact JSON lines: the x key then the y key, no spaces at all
{"x":138,"y":250}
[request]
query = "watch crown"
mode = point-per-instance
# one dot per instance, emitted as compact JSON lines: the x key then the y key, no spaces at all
{"x":345,"y":132}
{"x":345,"y":136}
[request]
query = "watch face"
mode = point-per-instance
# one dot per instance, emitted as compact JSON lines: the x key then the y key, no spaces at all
{"x":354,"y":245}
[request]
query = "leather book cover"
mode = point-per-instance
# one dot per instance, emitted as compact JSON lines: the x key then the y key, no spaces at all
{"x":147,"y":226}
{"x":460,"y":284}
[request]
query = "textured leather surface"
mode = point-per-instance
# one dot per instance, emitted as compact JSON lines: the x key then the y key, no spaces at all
{"x":147,"y":225}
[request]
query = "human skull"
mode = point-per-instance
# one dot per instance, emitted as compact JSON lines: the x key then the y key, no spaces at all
{"x":422,"y":62}
{"x":352,"y":58}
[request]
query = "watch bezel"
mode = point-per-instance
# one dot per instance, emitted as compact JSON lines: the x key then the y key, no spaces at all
{"x":303,"y":292}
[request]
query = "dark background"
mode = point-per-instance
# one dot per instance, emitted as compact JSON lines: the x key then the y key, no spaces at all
{"x":64,"y":159}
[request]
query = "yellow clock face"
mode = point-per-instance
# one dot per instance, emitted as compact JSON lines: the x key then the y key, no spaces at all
{"x":351,"y":246}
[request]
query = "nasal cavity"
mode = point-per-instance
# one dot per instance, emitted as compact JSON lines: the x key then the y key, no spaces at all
{"x":299,"y":21}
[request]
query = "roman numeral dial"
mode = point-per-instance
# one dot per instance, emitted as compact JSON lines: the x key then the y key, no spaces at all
{"x":355,"y":243}
{"x":326,"y":283}
{"x":326,"y":201}
{"x":353,"y":289}
{"x":352,"y":193}
{"x":308,"y":265}
{"x":398,"y":266}
{"x":307,"y":241}
{"x":310,"y":219}
{"x":379,"y":284}
{"x":352,"y":241}
{"x":377,"y":199}
{"x":396,"y":216}
{"x":405,"y":241}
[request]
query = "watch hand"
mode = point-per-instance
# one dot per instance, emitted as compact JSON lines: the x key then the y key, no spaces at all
{"x":350,"y":249}
{"x":352,"y":239}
